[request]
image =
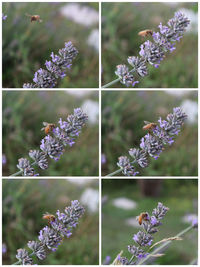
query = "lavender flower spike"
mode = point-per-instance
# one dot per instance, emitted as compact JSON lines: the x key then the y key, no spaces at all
{"x":152,"y":144}
{"x":54,"y":143}
{"x":153,"y":52}
{"x":144,"y":237}
{"x":55,"y":68}
{"x":51,"y":236}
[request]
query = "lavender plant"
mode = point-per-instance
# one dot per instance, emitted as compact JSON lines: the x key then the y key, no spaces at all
{"x":152,"y":52}
{"x":53,"y":144}
{"x":152,"y":144}
{"x":52,"y":235}
{"x":142,"y":249}
{"x":55,"y":68}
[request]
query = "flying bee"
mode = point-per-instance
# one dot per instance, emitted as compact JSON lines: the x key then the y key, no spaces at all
{"x":145,"y":33}
{"x":49,"y":217}
{"x":34,"y":18}
{"x":48,"y":127}
{"x":149,"y":126}
{"x":143,"y":217}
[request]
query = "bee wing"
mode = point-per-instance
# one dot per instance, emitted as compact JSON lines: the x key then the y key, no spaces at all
{"x":45,"y":123}
{"x":146,"y":122}
{"x":40,"y":20}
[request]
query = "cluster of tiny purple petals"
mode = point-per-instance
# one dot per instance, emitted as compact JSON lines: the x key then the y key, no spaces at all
{"x":54,"y":143}
{"x":125,"y":164}
{"x":153,"y":52}
{"x":152,"y":144}
{"x":55,"y":68}
{"x":144,"y":238}
{"x":50,"y":237}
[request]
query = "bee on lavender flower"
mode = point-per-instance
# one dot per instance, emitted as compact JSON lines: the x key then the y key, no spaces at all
{"x":145,"y":33}
{"x":149,"y":126}
{"x":143,"y":217}
{"x":49,"y":217}
{"x":48,"y":127}
{"x":34,"y":18}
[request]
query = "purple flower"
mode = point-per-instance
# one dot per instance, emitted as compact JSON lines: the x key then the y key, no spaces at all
{"x":4,"y":160}
{"x":125,"y":165}
{"x":125,"y":76}
{"x":143,"y":239}
{"x":4,"y":17}
{"x":4,"y":248}
{"x":54,"y":143}
{"x":55,"y":69}
{"x":50,"y":237}
{"x":151,"y":145}
{"x":154,"y":52}
{"x":103,"y":159}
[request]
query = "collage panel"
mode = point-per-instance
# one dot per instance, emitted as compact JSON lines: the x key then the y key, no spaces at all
{"x":50,"y":44}
{"x":149,"y":221}
{"x":148,"y":45}
{"x":50,"y":222}
{"x":149,"y":133}
{"x":50,"y":133}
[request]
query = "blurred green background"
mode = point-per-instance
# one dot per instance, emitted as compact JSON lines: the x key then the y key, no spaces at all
{"x":23,"y":115}
{"x":180,"y":195}
{"x":24,"y":203}
{"x":26,"y":45}
{"x":121,"y":23}
{"x":123,"y":116}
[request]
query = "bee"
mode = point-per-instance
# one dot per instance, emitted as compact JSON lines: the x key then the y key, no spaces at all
{"x":48,"y":127}
{"x":49,"y":217}
{"x":143,"y":217}
{"x":149,"y":126}
{"x":145,"y":33}
{"x":34,"y":18}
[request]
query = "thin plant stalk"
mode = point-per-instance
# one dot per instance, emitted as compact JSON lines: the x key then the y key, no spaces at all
{"x":164,"y":245}
{"x":111,"y":83}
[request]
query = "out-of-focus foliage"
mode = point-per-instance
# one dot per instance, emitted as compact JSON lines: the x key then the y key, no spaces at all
{"x":180,"y":195}
{"x":25,"y":202}
{"x":121,"y":23}
{"x":26,"y":45}
{"x":123,"y":116}
{"x":23,"y":115}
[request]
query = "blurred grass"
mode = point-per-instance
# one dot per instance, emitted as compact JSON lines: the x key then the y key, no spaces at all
{"x":24,"y":203}
{"x":178,"y":195}
{"x":23,"y":115}
{"x":26,"y":46}
{"x":123,"y":116}
{"x":121,"y":23}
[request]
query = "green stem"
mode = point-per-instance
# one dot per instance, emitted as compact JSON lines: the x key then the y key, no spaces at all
{"x":111,"y":83}
{"x":19,"y":261}
{"x":115,"y":172}
{"x":164,"y":245}
{"x":19,"y":172}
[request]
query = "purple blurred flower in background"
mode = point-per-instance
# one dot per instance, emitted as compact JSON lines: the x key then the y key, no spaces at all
{"x":4,"y":160}
{"x":153,"y":52}
{"x":4,"y":17}
{"x":4,"y":248}
{"x":103,"y":159}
